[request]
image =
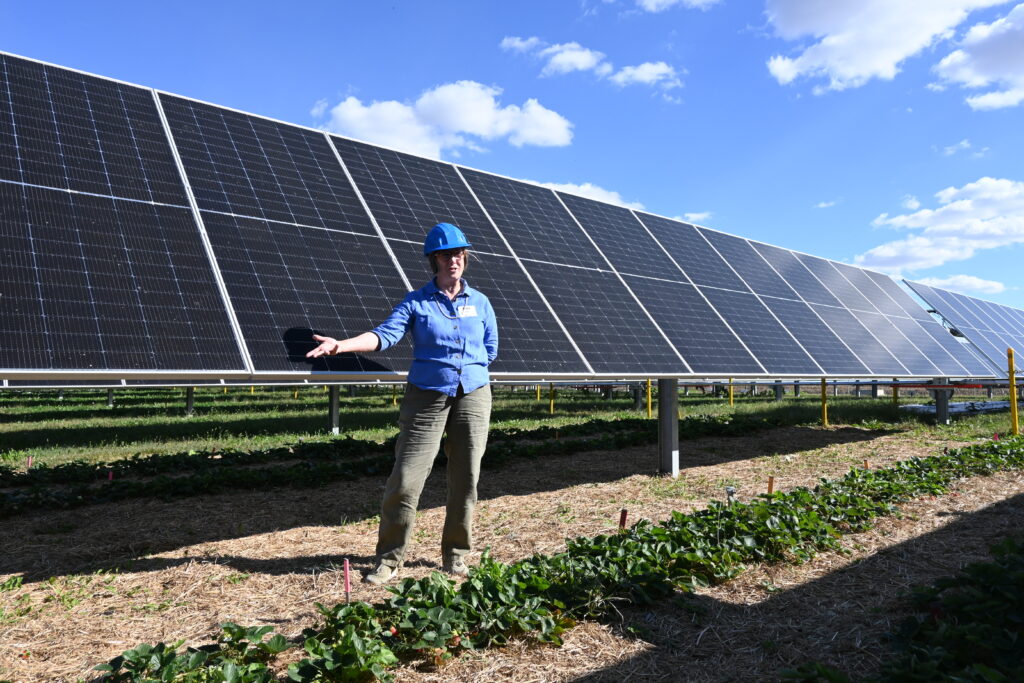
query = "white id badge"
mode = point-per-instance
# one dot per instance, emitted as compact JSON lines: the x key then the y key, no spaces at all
{"x":467,"y":311}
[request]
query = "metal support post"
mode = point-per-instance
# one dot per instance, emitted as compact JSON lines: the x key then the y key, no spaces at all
{"x":941,"y":401}
{"x":856,"y":391}
{"x":190,"y":401}
{"x":895,"y":392}
{"x":551,"y":398}
{"x":334,"y":395}
{"x":988,"y":392}
{"x":874,"y":389}
{"x":796,"y":389}
{"x":780,"y":390}
{"x":668,"y":426}
{"x":824,"y":403}
{"x":732,"y":398}
{"x":650,"y":401}
{"x":638,"y":400}
{"x":835,"y":387}
{"x":110,"y":398}
{"x":538,"y":392}
{"x":1014,"y":423}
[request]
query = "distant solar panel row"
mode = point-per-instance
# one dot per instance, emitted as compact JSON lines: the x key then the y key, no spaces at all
{"x":148,"y":233}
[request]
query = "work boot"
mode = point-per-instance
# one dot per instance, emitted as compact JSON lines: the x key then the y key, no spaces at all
{"x":456,"y":567}
{"x":382,"y":574}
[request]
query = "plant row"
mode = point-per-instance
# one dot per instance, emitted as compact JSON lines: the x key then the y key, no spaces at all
{"x":319,"y":466}
{"x":541,"y":596}
{"x":969,"y":627}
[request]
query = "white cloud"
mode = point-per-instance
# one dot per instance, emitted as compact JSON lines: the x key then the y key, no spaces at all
{"x":648,"y":73}
{"x":990,"y":56}
{"x":661,"y":5}
{"x":857,"y":40}
{"x":965,"y":284}
{"x":564,"y":58}
{"x":697,"y":217}
{"x":910,"y":202}
{"x":517,"y":44}
{"x":592,"y":191}
{"x":450,"y":117}
{"x":319,"y":109}
{"x":985,"y":214}
{"x":568,"y":57}
{"x":824,"y":205}
{"x":953,"y":149}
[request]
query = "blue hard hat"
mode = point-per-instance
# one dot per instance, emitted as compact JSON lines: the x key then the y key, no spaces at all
{"x":444,"y":236}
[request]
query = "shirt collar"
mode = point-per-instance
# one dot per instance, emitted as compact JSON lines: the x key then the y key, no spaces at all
{"x":432,"y":289}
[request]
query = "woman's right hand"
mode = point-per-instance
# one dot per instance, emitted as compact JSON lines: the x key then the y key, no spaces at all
{"x":329,"y":346}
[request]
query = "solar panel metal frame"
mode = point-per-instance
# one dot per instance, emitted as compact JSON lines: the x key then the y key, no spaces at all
{"x":250,"y":373}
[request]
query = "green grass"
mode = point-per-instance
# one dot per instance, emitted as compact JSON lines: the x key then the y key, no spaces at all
{"x":79,"y":425}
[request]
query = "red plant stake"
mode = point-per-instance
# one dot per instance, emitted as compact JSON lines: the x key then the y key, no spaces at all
{"x":348,"y":584}
{"x":28,"y":463}
{"x":771,"y":485}
{"x":110,"y":475}
{"x":995,"y":437}
{"x":866,"y":465}
{"x":622,"y":518}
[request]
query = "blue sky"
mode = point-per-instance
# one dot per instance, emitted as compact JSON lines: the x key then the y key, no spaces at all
{"x":887,"y":133}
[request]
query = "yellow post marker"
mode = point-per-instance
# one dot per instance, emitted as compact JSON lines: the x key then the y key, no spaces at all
{"x":895,"y":392}
{"x":538,"y":392}
{"x":394,"y":394}
{"x":295,"y":394}
{"x":225,"y":390}
{"x":732,"y":399}
{"x":551,"y":398}
{"x":650,"y":401}
{"x":252,"y":388}
{"x":1014,"y":424}
{"x":824,"y":403}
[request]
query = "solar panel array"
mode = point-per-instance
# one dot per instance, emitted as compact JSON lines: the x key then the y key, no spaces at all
{"x":151,"y":235}
{"x":992,"y":328}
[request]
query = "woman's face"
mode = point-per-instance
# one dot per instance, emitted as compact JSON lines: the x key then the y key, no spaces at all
{"x":451,"y":262}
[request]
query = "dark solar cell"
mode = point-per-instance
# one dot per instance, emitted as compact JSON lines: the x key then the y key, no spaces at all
{"x":287,"y":282}
{"x":66,"y":130}
{"x":699,"y":334}
{"x":898,"y":345}
{"x":533,"y":221}
{"x":621,"y":237}
{"x":796,"y":274}
{"x":778,"y":352}
{"x":754,"y":270}
{"x":611,"y":330}
{"x":823,"y":345}
{"x":94,"y":283}
{"x":860,"y":341}
{"x":409,"y":195}
{"x":529,"y":338}
{"x":692,"y":252}
{"x":245,"y":165}
{"x":908,"y":305}
{"x":870,"y":289}
{"x":936,"y":352}
{"x":826,"y":272}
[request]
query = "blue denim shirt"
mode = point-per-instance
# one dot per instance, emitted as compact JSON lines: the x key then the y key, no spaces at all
{"x":453,"y":340}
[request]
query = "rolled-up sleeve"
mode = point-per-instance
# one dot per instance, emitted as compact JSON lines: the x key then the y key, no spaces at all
{"x":395,"y":325}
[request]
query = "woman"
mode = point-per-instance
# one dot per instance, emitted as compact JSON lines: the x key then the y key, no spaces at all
{"x":455,"y":339}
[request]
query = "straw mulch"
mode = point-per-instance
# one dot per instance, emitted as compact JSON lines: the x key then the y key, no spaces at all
{"x":102,"y":579}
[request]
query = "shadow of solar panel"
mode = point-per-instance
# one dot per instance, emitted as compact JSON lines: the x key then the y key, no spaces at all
{"x":249,"y":166}
{"x":767,"y":339}
{"x":287,"y":282}
{"x":95,"y":283}
{"x":408,"y":195}
{"x":529,"y":338}
{"x":622,"y":238}
{"x":693,"y":327}
{"x":816,"y":337}
{"x":533,"y":221}
{"x":615,"y":336}
{"x":67,"y":130}
{"x":694,"y":254}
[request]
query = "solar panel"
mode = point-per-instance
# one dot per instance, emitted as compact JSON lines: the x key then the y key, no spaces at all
{"x":692,"y":252}
{"x":529,"y":338}
{"x":770,"y":342}
{"x":834,"y":281}
{"x":796,"y":275}
{"x":408,"y":195}
{"x":985,"y":324}
{"x":694,"y":328}
{"x":95,"y":283}
{"x":70,"y":131}
{"x":249,"y":166}
{"x":750,"y":266}
{"x":287,"y":282}
{"x":870,"y":351}
{"x":622,"y":239}
{"x":821,"y":343}
{"x":898,"y":345}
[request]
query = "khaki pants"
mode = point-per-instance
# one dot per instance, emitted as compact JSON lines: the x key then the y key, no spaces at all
{"x":424,"y":417}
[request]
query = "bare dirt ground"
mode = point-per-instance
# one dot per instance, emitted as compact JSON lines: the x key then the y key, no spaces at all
{"x":102,"y":579}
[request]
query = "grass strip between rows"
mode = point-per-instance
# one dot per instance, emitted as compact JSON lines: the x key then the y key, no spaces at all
{"x":543,"y":595}
{"x":310,"y":464}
